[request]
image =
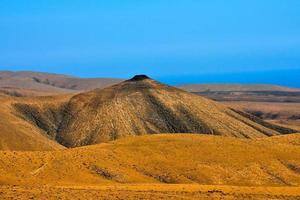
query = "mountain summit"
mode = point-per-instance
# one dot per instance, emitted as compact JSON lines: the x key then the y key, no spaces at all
{"x":139,"y":77}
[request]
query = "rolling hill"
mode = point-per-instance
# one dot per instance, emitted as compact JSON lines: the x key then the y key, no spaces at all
{"x":167,"y":158}
{"x":176,"y":165}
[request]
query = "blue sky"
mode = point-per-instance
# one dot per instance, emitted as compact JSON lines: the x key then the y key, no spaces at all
{"x":175,"y":41}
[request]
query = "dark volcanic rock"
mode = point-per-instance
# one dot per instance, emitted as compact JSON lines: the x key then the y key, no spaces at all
{"x":139,"y":77}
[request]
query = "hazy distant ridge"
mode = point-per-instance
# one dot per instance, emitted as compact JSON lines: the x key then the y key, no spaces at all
{"x":51,"y":82}
{"x":39,"y":82}
{"x":234,"y":87}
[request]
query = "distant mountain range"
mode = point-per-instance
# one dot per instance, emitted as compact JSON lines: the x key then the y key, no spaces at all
{"x":39,"y":84}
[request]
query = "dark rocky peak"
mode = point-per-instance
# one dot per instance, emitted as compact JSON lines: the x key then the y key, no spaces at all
{"x":140,"y":77}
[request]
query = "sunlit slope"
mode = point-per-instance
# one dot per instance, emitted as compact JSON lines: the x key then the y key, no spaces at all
{"x":182,"y":158}
{"x":19,"y":134}
{"x":143,"y":106}
{"x":291,"y":139}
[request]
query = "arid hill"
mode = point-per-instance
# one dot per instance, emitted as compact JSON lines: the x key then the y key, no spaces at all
{"x":139,"y":106}
{"x":134,"y":107}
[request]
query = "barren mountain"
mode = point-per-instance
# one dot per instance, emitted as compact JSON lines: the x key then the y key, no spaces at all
{"x":134,"y":107}
{"x":140,"y":106}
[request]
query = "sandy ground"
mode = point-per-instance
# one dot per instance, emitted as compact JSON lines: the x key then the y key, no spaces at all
{"x":150,"y":191}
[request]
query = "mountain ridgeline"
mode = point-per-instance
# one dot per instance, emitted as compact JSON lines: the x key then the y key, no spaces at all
{"x":136,"y":106}
{"x":40,"y":84}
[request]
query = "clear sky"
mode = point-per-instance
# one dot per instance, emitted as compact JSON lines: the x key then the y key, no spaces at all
{"x":177,"y":41}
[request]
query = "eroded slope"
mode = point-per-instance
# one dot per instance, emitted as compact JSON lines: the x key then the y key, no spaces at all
{"x":17,"y":133}
{"x":144,"y":106}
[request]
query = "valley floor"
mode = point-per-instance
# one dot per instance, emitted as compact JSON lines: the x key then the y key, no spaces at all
{"x":281,"y":113}
{"x":150,"y":191}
